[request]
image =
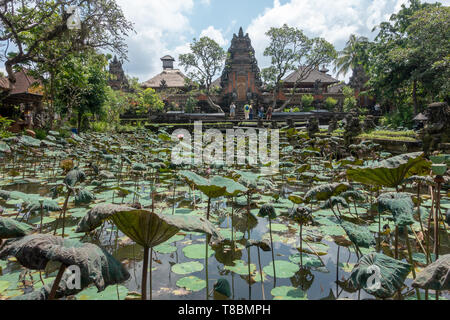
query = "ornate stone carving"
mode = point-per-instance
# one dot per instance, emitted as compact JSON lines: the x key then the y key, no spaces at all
{"x":437,"y":128}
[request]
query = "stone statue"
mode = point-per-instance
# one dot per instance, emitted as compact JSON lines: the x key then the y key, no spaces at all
{"x":313,"y":127}
{"x":317,"y":86}
{"x":333,"y":125}
{"x":369,"y":124}
{"x":437,"y":128}
{"x":352,"y":128}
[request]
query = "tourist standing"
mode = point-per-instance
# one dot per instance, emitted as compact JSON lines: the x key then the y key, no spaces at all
{"x":251,"y":112}
{"x":269,"y":113}
{"x":232,"y":110}
{"x":261,"y":112}
{"x":246,"y":111}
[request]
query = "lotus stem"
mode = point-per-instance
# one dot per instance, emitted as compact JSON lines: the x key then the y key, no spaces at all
{"x":408,"y":245}
{"x":144,"y":274}
{"x":55,"y":285}
{"x":301,"y":245}
{"x":260,"y":274}
{"x":206,"y":266}
{"x":273,"y":256}
{"x":396,"y":243}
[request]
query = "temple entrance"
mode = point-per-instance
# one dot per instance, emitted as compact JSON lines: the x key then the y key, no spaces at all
{"x":242,"y":88}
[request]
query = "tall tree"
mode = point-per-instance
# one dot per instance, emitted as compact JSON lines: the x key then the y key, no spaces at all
{"x":205,"y":60}
{"x":352,"y":55}
{"x":290,"y":49}
{"x":29,"y":28}
{"x":81,"y":85}
{"x":396,"y":64}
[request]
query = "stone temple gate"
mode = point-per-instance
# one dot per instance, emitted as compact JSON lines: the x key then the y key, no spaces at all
{"x":241,"y":78}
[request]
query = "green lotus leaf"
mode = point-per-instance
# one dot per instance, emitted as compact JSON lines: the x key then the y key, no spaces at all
{"x":192,"y":283}
{"x":284,"y":269}
{"x":288,"y":293}
{"x":326,"y":191}
{"x":390,"y":172}
{"x":359,"y":235}
{"x":47,"y":205}
{"x":400,"y":205}
{"x":309,"y":260}
{"x":333,"y":202}
{"x":139,"y":167}
{"x":110,"y":294}
{"x":165,"y":248}
{"x":4,"y":148}
{"x":241,"y":267}
{"x":436,"y":276}
{"x":10,"y":228}
{"x":84,"y":196}
{"x":187,"y":267}
{"x":30,"y":141}
{"x":96,"y":265}
{"x":392,"y":274}
{"x":144,"y":227}
{"x":197,"y":251}
{"x":73,"y":177}
{"x":267,"y":211}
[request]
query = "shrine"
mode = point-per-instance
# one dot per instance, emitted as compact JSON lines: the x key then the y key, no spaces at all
{"x":241,"y":78}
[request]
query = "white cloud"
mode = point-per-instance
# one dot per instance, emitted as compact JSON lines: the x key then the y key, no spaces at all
{"x":214,"y":34}
{"x":333,"y":20}
{"x":160,"y":26}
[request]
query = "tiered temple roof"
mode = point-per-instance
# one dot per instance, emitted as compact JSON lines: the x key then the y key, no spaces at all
{"x":168,"y":78}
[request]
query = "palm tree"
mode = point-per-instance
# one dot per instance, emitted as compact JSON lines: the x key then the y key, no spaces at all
{"x":350,"y":57}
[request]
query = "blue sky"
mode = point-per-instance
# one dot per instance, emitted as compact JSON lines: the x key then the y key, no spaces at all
{"x":167,"y":27}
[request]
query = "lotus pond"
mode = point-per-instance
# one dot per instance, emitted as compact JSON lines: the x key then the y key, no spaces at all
{"x":139,"y":226}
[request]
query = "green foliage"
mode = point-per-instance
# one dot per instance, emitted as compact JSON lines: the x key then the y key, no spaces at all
{"x":408,"y":62}
{"x":5,"y":123}
{"x":40,"y":134}
{"x":191,"y":104}
{"x":402,"y":116}
{"x":149,"y":100}
{"x":204,"y":62}
{"x":353,"y":55}
{"x":330,"y":103}
{"x":307,"y":101}
{"x":81,"y":84}
{"x":289,"y":49}
{"x":350,"y":102}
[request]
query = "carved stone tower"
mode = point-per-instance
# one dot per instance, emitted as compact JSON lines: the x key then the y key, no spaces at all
{"x":118,"y":80}
{"x":241,"y":78}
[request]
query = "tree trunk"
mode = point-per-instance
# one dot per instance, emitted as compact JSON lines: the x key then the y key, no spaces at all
{"x":414,"y":93}
{"x":214,"y":105}
{"x":80,"y":117}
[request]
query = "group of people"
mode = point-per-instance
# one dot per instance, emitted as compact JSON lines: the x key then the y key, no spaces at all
{"x":249,"y":112}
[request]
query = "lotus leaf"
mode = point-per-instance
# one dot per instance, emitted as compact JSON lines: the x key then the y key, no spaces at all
{"x":96,"y":265}
{"x":288,"y":293}
{"x":390,"y":172}
{"x":400,"y":205}
{"x":84,"y":196}
{"x":393,"y":274}
{"x":73,"y":177}
{"x":436,"y":276}
{"x":284,"y":269}
{"x":187,"y":267}
{"x":359,"y":235}
{"x":192,"y":283}
{"x":10,"y":228}
{"x":326,"y":191}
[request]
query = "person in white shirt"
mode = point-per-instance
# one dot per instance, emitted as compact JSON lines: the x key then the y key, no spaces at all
{"x":232,"y":110}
